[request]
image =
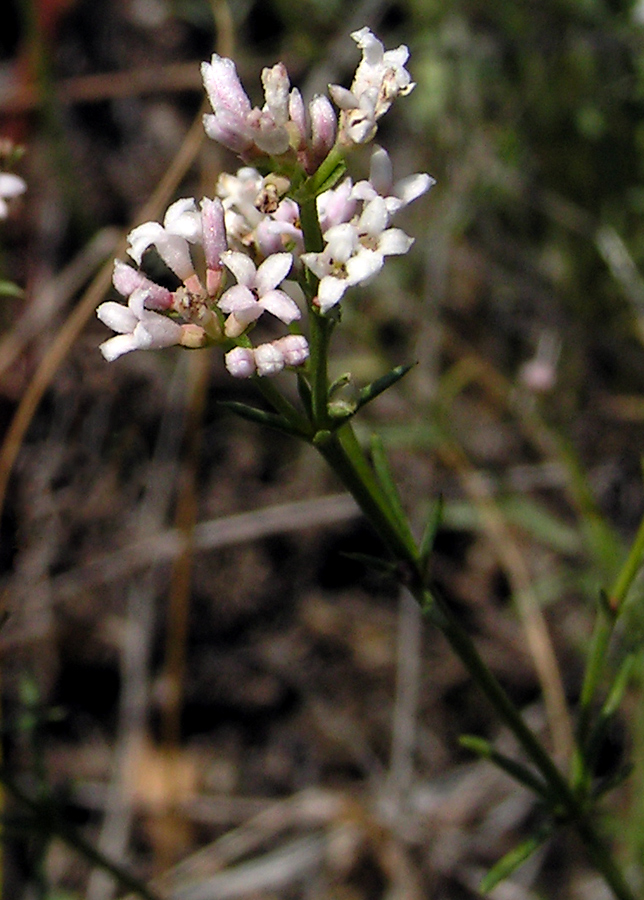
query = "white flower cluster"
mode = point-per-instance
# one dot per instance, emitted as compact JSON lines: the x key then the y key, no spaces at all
{"x":251,"y":230}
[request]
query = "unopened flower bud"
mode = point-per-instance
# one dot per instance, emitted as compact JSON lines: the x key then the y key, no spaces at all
{"x":269,"y":359}
{"x":240,"y":362}
{"x":323,"y":126}
{"x":294,"y":348}
{"x":214,"y":233}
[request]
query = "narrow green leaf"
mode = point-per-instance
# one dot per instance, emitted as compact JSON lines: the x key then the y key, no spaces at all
{"x":619,"y":685}
{"x":260,"y":416}
{"x":326,"y":177}
{"x":514,"y":769}
{"x":434,"y":521}
{"x":371,"y":391}
{"x":592,"y":746}
{"x":304,"y":390}
{"x":604,"y":603}
{"x":381,"y":465}
{"x":512,"y":860}
{"x":339,"y":383}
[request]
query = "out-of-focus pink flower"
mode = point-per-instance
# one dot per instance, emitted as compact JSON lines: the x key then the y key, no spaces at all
{"x":10,"y":186}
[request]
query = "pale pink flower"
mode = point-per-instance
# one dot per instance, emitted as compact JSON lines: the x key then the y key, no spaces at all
{"x":344,"y":262}
{"x":137,"y":327}
{"x":181,"y":227}
{"x":381,"y":183}
{"x":256,"y":291}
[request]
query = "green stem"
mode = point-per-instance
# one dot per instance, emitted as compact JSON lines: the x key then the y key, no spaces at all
{"x":319,"y":339}
{"x":628,"y":572}
{"x":320,"y":327}
{"x":345,"y":456}
{"x":341,"y":450}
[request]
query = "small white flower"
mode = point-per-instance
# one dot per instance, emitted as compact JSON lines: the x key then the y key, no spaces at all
{"x":181,"y":227}
{"x":380,"y":78}
{"x":380,"y":72}
{"x":374,"y":234}
{"x":355,"y":251}
{"x":381,"y":183}
{"x":137,"y":327}
{"x":344,"y":262}
{"x":10,"y":186}
{"x":256,"y":291}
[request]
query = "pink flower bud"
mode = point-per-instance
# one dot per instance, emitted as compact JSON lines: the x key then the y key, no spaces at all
{"x":294,"y":348}
{"x":214,"y":232}
{"x":126,"y":280}
{"x":240,"y":362}
{"x":269,"y":359}
{"x":323,"y":126}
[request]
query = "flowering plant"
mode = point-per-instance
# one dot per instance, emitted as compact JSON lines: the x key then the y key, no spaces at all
{"x":289,"y":234}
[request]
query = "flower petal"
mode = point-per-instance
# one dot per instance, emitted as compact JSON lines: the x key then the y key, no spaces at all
{"x":330,"y":291}
{"x":414,"y":186}
{"x":280,"y":305}
{"x":117,"y":317}
{"x":154,"y":332}
{"x":394,"y":242}
{"x":273,"y":271}
{"x":242,"y":267}
{"x":236,"y":298}
{"x":142,"y":237}
{"x":363,"y":266}
{"x":117,"y":346}
{"x":224,"y":88}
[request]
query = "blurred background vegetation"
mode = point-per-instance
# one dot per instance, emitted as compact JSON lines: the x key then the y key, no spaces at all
{"x":523,"y":305}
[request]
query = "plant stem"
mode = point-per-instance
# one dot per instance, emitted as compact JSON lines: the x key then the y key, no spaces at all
{"x":342,"y":452}
{"x":345,"y":456}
